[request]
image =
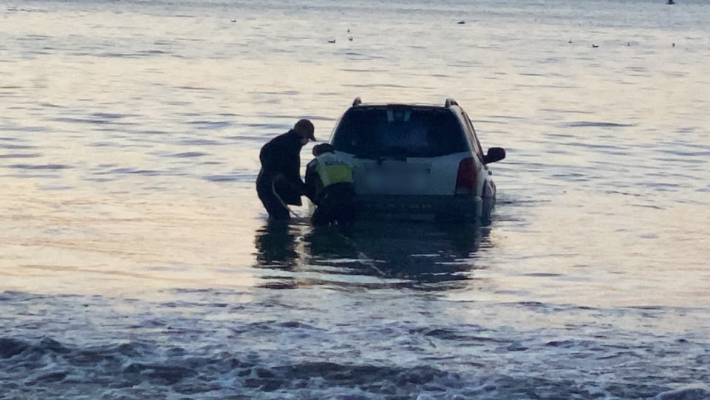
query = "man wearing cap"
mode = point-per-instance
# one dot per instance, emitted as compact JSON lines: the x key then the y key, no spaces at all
{"x":329,"y":185}
{"x":279,"y":182}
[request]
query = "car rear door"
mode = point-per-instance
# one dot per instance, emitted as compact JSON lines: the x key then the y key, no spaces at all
{"x":402,"y":150}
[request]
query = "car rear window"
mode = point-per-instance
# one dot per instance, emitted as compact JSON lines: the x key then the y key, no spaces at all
{"x":399,"y":132}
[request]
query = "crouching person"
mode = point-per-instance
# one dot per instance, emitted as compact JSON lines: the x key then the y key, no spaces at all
{"x":329,"y":185}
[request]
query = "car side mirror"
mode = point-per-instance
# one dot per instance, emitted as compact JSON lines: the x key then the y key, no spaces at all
{"x":494,"y":154}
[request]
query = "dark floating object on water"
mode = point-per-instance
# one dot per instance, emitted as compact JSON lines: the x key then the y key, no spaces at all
{"x":673,"y":44}
{"x":570,"y":41}
{"x":670,"y":2}
{"x":234,"y":20}
{"x":628,"y":43}
{"x":350,"y":38}
{"x":331,"y":41}
{"x":461,"y":22}
{"x":595,"y":46}
{"x":348,"y":30}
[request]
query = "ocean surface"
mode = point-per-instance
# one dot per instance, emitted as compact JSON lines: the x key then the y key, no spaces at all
{"x":136,"y":261}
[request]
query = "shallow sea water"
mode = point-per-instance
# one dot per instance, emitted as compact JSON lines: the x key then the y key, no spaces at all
{"x":136,"y":261}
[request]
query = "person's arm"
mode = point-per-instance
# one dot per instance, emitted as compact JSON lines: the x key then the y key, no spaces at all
{"x":291,"y":164}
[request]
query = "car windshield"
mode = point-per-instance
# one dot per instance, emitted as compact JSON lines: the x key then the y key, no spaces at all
{"x":399,"y":132}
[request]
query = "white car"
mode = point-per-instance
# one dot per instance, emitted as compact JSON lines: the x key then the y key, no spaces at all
{"x":416,"y":162}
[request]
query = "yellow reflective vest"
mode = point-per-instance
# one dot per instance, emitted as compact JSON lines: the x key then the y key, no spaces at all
{"x":330,"y":169}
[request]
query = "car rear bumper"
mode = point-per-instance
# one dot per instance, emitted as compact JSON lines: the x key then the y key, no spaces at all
{"x":454,"y":208}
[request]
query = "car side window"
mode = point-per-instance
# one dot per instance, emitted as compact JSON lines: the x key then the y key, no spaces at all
{"x":473,"y":138}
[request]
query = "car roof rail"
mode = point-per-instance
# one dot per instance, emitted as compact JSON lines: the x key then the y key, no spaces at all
{"x":357,"y":102}
{"x":450,"y":102}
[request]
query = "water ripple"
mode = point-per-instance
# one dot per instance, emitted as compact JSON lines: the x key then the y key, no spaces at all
{"x":587,"y":124}
{"x":40,"y":167}
{"x":189,"y":154}
{"x":28,"y":155}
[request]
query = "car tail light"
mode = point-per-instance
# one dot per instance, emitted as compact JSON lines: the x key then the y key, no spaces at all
{"x":466,"y":177}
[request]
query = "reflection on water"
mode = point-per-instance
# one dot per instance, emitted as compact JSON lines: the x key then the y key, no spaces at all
{"x":370,"y":255}
{"x":276,"y":244}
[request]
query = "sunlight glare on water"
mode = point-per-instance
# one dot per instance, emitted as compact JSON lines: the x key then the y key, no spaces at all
{"x":137,"y":262}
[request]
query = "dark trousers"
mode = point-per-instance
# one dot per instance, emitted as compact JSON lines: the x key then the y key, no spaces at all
{"x":337,"y":204}
{"x":272,"y":204}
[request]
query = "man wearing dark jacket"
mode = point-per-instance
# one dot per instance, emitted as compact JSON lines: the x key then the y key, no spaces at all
{"x":279,"y":182}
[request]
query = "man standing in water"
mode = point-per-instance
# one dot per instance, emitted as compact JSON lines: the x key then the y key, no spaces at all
{"x":279,"y":182}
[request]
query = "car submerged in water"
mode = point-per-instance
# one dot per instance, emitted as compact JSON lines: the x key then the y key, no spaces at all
{"x":416,"y":162}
